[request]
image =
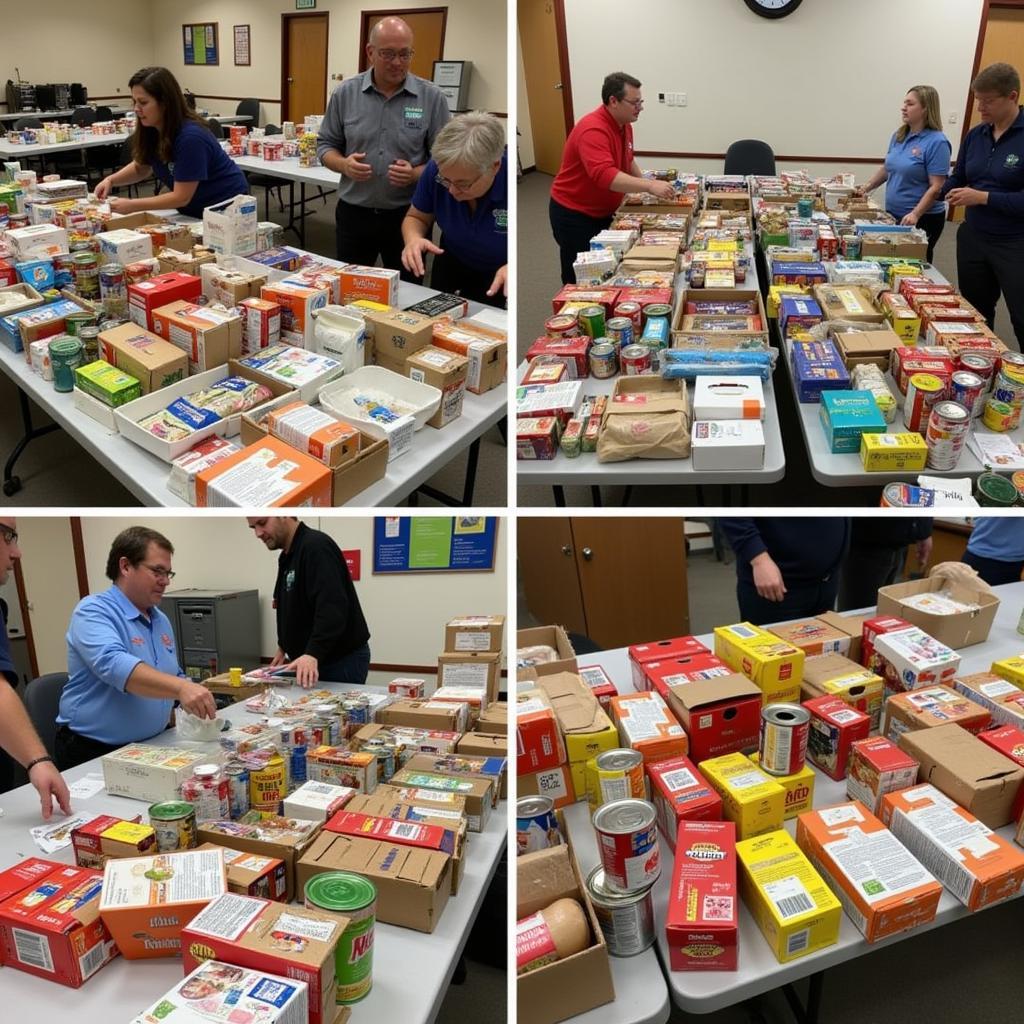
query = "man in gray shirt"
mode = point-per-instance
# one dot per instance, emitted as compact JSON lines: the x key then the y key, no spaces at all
{"x":377,"y":135}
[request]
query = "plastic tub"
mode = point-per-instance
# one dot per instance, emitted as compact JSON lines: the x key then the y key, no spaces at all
{"x":336,"y":397}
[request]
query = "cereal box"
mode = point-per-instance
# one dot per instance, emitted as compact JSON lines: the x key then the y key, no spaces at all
{"x":646,"y":725}
{"x":835,"y":726}
{"x":750,"y":798}
{"x":680,"y":793}
{"x":813,"y":637}
{"x":775,"y":666}
{"x":1011,"y":669}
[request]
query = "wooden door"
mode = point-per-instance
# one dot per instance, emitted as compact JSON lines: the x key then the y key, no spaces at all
{"x":547,"y":569}
{"x":633,"y":578}
{"x":547,"y":89}
{"x":303,"y":65}
{"x":427,"y":24}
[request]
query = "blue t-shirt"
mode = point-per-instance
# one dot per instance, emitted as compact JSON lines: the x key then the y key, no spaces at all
{"x":198,"y":157}
{"x":908,"y":164}
{"x":108,"y":636}
{"x":478,"y":239}
{"x":998,"y":537}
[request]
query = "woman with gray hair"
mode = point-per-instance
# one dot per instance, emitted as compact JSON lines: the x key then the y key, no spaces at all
{"x":464,"y":188}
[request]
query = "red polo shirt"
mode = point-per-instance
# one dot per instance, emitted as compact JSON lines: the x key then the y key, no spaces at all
{"x":596,"y":150}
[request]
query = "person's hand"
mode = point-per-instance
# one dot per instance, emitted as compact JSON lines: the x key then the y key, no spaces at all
{"x":414,"y":255}
{"x":401,"y":172}
{"x":768,"y":578}
{"x":352,"y":166}
{"x":500,"y":281}
{"x":50,"y":786}
{"x":966,"y":197}
{"x":859,"y":191}
{"x":924,"y":551}
{"x":103,"y":189}
{"x":197,"y":700}
{"x":118,"y":205}
{"x":306,"y":670}
{"x":661,"y":189}
{"x":278,"y":658}
{"x":909,"y":220}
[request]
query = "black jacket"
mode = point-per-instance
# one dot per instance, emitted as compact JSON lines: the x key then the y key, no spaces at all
{"x":318,"y":612}
{"x":889,"y":531}
{"x":806,"y":550}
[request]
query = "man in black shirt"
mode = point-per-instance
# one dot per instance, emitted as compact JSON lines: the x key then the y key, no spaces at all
{"x":321,"y":632}
{"x":878,"y":549}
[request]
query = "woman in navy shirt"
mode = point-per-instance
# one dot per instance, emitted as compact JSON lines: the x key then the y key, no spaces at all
{"x":173,"y":144}
{"x":464,"y":187}
{"x":916,"y":166}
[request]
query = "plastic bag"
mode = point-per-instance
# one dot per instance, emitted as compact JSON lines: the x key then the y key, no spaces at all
{"x":200,"y":730}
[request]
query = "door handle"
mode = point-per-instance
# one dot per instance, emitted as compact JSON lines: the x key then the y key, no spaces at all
{"x":566,"y":550}
{"x":588,"y":554}
{"x":290,"y":80}
{"x":558,"y":85}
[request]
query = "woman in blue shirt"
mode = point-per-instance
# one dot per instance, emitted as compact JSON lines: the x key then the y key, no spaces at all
{"x":916,"y":166}
{"x":173,"y":144}
{"x":464,"y":188}
{"x":996,"y":549}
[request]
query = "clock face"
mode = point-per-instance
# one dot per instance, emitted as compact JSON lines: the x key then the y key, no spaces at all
{"x":773,"y":8}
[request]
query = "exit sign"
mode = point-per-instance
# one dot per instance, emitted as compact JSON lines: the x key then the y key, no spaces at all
{"x":305,"y":5}
{"x":353,"y":560}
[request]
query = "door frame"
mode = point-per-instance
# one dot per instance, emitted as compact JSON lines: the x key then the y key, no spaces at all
{"x":284,"y":56}
{"x":564,"y":70}
{"x":366,"y":18}
{"x":976,"y":66}
{"x":26,"y":618}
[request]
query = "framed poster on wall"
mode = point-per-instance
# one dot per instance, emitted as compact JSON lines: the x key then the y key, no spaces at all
{"x":242,"y":45}
{"x":200,"y":42}
{"x":434,"y":543}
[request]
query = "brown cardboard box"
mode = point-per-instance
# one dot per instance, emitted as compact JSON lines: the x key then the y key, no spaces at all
{"x":491,"y":766}
{"x":479,"y":669}
{"x":834,"y":675}
{"x":420,"y":714}
{"x":931,"y":707}
{"x":849,"y":624}
{"x":550,"y":636}
{"x":493,"y":719}
{"x":484,"y":745}
{"x":972,"y":774}
{"x":830,"y":300}
{"x":579,"y":982}
{"x":954,"y":631}
{"x":155,"y":363}
{"x":366,"y":468}
{"x":445,"y":371}
{"x":867,"y":346}
{"x":186,"y":260}
{"x":444,"y":801}
{"x":413,"y":885}
{"x":209,"y":337}
{"x":395,"y":365}
{"x":164,"y":232}
{"x":892,"y":245}
{"x":397,"y":334}
{"x":251,"y":875}
{"x":813,"y":637}
{"x":478,"y":793}
{"x":484,"y":347}
{"x":229,"y":287}
{"x":717,"y":295}
{"x":474,"y":633}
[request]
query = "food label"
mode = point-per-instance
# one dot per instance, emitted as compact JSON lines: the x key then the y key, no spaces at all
{"x":535,"y":946}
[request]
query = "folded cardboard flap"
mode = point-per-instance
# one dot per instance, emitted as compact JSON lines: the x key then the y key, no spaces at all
{"x":704,"y":692}
{"x":575,"y":706}
{"x":543,"y":877}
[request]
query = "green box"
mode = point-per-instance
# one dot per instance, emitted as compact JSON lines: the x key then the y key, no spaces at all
{"x":14,"y":197}
{"x":107,"y":384}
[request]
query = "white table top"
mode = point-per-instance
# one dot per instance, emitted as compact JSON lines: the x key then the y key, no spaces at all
{"x":411,"y":969}
{"x":53,"y":115}
{"x":289,"y":169}
{"x":15,"y":151}
{"x":759,"y":971}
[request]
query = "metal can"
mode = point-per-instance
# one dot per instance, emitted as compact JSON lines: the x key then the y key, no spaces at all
{"x":615,"y":775}
{"x":74,"y":321}
{"x":536,"y":824}
{"x":946,"y":434}
{"x":1017,"y":479}
{"x":238,"y":790}
{"x":997,"y":415}
{"x":620,"y":330}
{"x":87,"y":275}
{"x":113,"y":288}
{"x":968,"y":390}
{"x":562,"y":325}
{"x":627,"y":839}
{"x":267,"y":785}
{"x":655,"y":310}
{"x":296,"y":768}
{"x":134,"y":273}
{"x":805,"y":208}
{"x":995,"y":491}
{"x":63,"y":271}
{"x":355,"y":897}
{"x":923,"y":391}
{"x":978,"y":363}
{"x":783,"y":739}
{"x":385,"y":758}
{"x":626,"y":919}
{"x":89,"y":336}
{"x":174,"y":822}
{"x":634,"y":311}
{"x":603,"y":360}
{"x":635,"y":360}
{"x":849,"y":246}
{"x":899,"y":495}
{"x":65,"y":355}
{"x":591,"y":321}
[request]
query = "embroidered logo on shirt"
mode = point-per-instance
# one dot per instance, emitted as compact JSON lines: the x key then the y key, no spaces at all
{"x":289,"y":579}
{"x":413,"y":115}
{"x":915,"y":150}
{"x":166,"y":641}
{"x":501,"y":220}
{"x":138,"y":641}
{"x":1011,"y":160}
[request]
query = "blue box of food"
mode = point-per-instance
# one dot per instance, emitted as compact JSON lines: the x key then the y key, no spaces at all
{"x":817,"y":367}
{"x":38,"y":273}
{"x":42,"y":321}
{"x":845,"y":415}
{"x":796,"y":311}
{"x":796,"y":272}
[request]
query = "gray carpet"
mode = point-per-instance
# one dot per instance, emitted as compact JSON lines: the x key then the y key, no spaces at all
{"x":538,"y":281}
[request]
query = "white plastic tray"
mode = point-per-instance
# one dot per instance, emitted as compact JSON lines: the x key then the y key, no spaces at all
{"x":424,"y":399}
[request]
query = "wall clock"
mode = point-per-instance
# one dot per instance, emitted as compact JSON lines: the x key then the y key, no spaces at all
{"x":773,"y":8}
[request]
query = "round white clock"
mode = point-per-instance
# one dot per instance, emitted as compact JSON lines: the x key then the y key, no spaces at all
{"x":773,"y":8}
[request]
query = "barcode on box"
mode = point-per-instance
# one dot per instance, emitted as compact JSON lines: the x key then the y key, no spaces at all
{"x":797,"y":941}
{"x":32,"y":950}
{"x":405,"y":831}
{"x":92,"y":960}
{"x":790,"y":906}
{"x":682,"y":778}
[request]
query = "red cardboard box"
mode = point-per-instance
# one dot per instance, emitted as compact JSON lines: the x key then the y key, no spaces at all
{"x":1008,"y":740}
{"x":877,"y":627}
{"x":876,"y":767}
{"x":680,"y":793}
{"x":720,"y":716}
{"x":159,"y":291}
{"x":572,"y":351}
{"x":539,"y":743}
{"x":19,"y":878}
{"x":607,"y":297}
{"x":405,"y":833}
{"x":686,"y":668}
{"x":641,"y":655}
{"x":835,"y":727}
{"x":85,"y":840}
{"x":645,"y":296}
{"x":600,"y":685}
{"x":702,"y":926}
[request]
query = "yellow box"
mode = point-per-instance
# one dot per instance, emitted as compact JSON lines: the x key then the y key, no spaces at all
{"x":794,"y":908}
{"x":840,"y":677}
{"x":889,"y":452}
{"x":1011,"y":669}
{"x":581,"y":747}
{"x":799,"y":788}
{"x":776,"y":667}
{"x":751,"y":798}
{"x":776,"y":293}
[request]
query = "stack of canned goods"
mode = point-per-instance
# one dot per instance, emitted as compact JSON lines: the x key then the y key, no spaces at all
{"x":782,"y":743}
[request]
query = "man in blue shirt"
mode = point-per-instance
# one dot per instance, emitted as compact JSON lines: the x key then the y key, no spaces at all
{"x":123,"y":668}
{"x":18,"y":737}
{"x":996,"y":549}
{"x":988,"y":181}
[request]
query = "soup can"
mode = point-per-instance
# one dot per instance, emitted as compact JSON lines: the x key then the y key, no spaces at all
{"x":655,"y":310}
{"x":995,"y":491}
{"x":923,"y":391}
{"x":627,"y":839}
{"x":174,"y":822}
{"x":65,"y":356}
{"x":615,"y":775}
{"x":355,"y":897}
{"x":74,"y":321}
{"x":87,"y":275}
{"x":783,"y":738}
{"x":267,"y":785}
{"x":113,"y":288}
{"x":562,"y":325}
{"x":238,"y":790}
{"x":968,"y":390}
{"x":978,"y":363}
{"x":536,"y":824}
{"x":89,"y":336}
{"x":591,"y":321}
{"x":635,"y":360}
{"x":946,"y":434}
{"x":620,"y":330}
{"x":1018,"y":481}
{"x":602,"y":359}
{"x":634,"y":311}
{"x":997,"y":415}
{"x":626,"y":919}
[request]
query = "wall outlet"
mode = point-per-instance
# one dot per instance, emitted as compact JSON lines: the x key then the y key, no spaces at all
{"x":952,"y":118}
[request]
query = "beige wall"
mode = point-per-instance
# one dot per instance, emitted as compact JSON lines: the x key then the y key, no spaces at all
{"x":525,"y":139}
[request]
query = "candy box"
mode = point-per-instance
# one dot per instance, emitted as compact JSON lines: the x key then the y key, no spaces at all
{"x":835,"y":726}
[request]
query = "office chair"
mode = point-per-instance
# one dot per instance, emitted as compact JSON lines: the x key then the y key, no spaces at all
{"x":251,"y":108}
{"x":749,"y":156}
{"x":83,"y":116}
{"x":42,"y":701}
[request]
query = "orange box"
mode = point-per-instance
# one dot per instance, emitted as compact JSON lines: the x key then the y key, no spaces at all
{"x":900,"y":893}
{"x":315,"y":432}
{"x":485,"y":348}
{"x":297,"y":302}
{"x":377,"y":284}
{"x":539,"y":743}
{"x":646,"y":725}
{"x":945,"y":838}
{"x":267,"y":474}
{"x":146,"y":901}
{"x":209,"y":337}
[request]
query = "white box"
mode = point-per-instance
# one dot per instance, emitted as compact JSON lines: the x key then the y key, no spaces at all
{"x":727,"y":444}
{"x":230,"y":227}
{"x":919,"y":659}
{"x":728,"y":398}
{"x":317,"y":801}
{"x":95,"y":409}
{"x":475,"y":697}
{"x":184,"y":468}
{"x":125,"y":246}
{"x":37,"y":242}
{"x":39,"y":353}
{"x":565,"y":397}
{"x":141,"y":772}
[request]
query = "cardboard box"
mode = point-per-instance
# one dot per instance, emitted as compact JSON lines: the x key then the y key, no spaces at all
{"x":494,"y":719}
{"x":646,"y":725}
{"x":339,"y":766}
{"x":186,"y":467}
{"x":832,"y":675}
{"x":474,"y":633}
{"x":317,"y":801}
{"x":417,"y":835}
{"x":38,"y":241}
{"x":413,"y":885}
{"x":776,"y":667}
{"x":702,"y":925}
{"x":976,"y":865}
{"x":789,"y":900}
{"x":872,"y":628}
{"x":660,"y":675}
{"x":314,"y":432}
{"x":127,"y":839}
{"x":209,"y":337}
{"x":485,"y":348}
{"x":493,"y":768}
{"x":480,"y":670}
{"x":85,"y":841}
{"x":799,"y":788}
{"x":446,"y":371}
{"x":554,"y":637}
{"x":539,"y":742}
{"x":245,"y":932}
{"x":122,"y":245}
{"x":230,"y":227}
{"x":441,"y":803}
{"x":253,"y":875}
{"x":23,"y":875}
{"x":680,"y":793}
{"x":835,"y":726}
{"x":900,"y":452}
{"x":915,"y":660}
{"x":152,"y":361}
{"x":1008,"y":740}
{"x":421,"y":714}
{"x":720,"y":715}
{"x":813,"y":637}
{"x":398,"y":334}
{"x":727,"y":444}
{"x":148,"y":773}
{"x":876,"y":767}
{"x":750,"y":797}
{"x":146,"y":901}
{"x":552,"y":782}
{"x":32,"y":322}
{"x":957,"y":630}
{"x":846,"y":302}
{"x":298,"y":303}
{"x":478,"y":793}
{"x":423,"y":741}
{"x":555,"y":991}
{"x":846,"y":415}
{"x":378,"y":284}
{"x":145,"y":297}
{"x":978,"y":778}
{"x":1011,"y":669}
{"x":641,"y":655}
{"x":874,"y":345}
{"x":107,"y":384}
{"x":883,"y":888}
{"x":991,"y":692}
{"x":851,"y":626}
{"x":929,"y":707}
{"x":230,"y":286}
{"x":483,"y":745}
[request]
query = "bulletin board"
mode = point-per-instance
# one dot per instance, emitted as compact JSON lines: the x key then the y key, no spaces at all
{"x":200,"y":42}
{"x":405,"y":544}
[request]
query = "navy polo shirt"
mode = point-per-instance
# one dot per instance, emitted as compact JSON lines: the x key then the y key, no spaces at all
{"x":478,"y":239}
{"x":7,"y":669}
{"x":908,"y":164}
{"x":197,"y":156}
{"x":995,"y":167}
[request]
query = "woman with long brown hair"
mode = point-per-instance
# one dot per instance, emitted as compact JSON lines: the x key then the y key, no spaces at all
{"x":174,"y":145}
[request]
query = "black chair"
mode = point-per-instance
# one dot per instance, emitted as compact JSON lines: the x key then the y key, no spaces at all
{"x":250,"y":108}
{"x":27,"y":122}
{"x":42,"y":701}
{"x":104,"y":114}
{"x":267,"y":181}
{"x":749,"y":156}
{"x":216,"y":127}
{"x":83,"y":116}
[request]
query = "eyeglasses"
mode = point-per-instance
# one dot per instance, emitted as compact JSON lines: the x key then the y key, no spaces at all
{"x":159,"y":571}
{"x":403,"y":55}
{"x":9,"y":536}
{"x":634,"y":103}
{"x":460,"y":186}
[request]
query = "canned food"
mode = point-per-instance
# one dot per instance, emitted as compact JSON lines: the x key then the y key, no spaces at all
{"x":113,"y":288}
{"x":563,"y":325}
{"x":603,"y":360}
{"x":267,"y":785}
{"x":995,"y":491}
{"x":63,"y":272}
{"x":898,"y":495}
{"x":208,"y":792}
{"x":296,"y":768}
{"x":626,"y":919}
{"x":1018,"y":481}
{"x":849,"y":246}
{"x":783,"y":738}
{"x":174,"y":822}
{"x":634,"y":312}
{"x":89,"y":336}
{"x":615,"y":775}
{"x":591,"y":321}
{"x":978,"y":363}
{"x":620,"y":331}
{"x":655,"y":310}
{"x":355,"y":897}
{"x":536,"y":824}
{"x":946,"y":434}
{"x":74,"y":321}
{"x":997,"y":415}
{"x":238,"y":790}
{"x":65,"y":355}
{"x":805,"y":208}
{"x":968,"y":390}
{"x":635,"y":360}
{"x":87,"y":275}
{"x":627,"y":839}
{"x":923,"y":391}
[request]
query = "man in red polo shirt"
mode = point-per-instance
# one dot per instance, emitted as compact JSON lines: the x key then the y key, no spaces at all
{"x":597,"y":168}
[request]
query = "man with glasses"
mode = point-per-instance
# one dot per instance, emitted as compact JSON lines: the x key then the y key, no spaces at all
{"x":123,"y":669}
{"x":598,"y":167}
{"x":18,"y":737}
{"x":377,"y":134}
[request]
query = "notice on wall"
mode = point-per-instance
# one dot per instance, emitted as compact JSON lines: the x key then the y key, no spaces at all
{"x":403,"y":544}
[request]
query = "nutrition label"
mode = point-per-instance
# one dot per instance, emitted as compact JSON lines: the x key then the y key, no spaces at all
{"x":876,"y":864}
{"x":228,"y":917}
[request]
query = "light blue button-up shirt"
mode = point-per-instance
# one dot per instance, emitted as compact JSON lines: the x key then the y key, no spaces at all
{"x":998,"y":537}
{"x":108,"y":636}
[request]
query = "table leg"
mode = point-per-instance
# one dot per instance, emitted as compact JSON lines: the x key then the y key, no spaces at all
{"x":559,"y":492}
{"x":12,"y":483}
{"x":468,"y":486}
{"x":806,"y":1013}
{"x":595,"y":495}
{"x":627,"y":495}
{"x":302,"y":211}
